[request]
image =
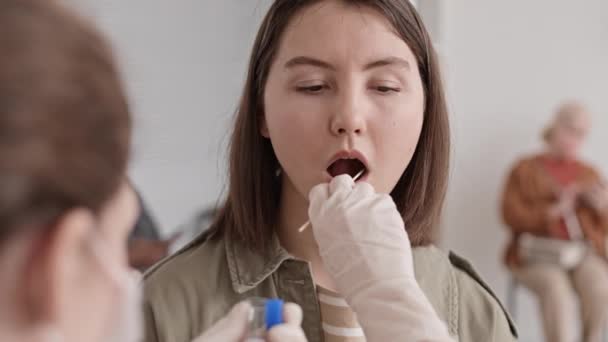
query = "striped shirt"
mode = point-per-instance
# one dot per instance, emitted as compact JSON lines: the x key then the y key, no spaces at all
{"x":338,"y":320}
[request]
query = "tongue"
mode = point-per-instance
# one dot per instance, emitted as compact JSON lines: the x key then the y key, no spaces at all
{"x":345,"y":166}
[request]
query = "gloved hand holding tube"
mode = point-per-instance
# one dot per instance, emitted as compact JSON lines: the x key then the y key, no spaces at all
{"x":239,"y":325}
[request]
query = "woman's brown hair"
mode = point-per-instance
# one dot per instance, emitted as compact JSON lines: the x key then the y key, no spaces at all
{"x":250,"y":213}
{"x":64,"y":120}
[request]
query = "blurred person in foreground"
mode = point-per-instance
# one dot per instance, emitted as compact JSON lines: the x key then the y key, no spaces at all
{"x":65,"y":207}
{"x":556,"y":201}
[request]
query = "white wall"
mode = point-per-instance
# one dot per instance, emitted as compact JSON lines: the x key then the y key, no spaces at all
{"x":508,"y":65}
{"x":184,"y":63}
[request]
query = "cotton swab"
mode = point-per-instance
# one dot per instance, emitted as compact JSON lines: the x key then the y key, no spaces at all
{"x":305,"y":225}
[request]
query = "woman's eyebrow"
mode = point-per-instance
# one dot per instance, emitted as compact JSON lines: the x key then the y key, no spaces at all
{"x":315,"y":62}
{"x":388,"y":61}
{"x":310,"y":61}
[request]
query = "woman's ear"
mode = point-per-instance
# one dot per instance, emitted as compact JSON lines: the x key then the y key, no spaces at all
{"x":263,"y":126}
{"x":55,"y":264}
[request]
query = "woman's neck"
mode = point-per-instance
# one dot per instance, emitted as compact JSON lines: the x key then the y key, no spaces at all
{"x":293,"y":213}
{"x":28,"y":334}
{"x":14,"y":322}
{"x":15,"y":327}
{"x":8,"y":333}
{"x":555,"y":154}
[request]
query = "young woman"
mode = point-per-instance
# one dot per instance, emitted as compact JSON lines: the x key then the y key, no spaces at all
{"x":336,"y":90}
{"x":65,"y":207}
{"x":555,"y":195}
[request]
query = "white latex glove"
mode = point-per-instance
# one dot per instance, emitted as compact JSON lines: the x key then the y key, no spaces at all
{"x":233,"y":327}
{"x":364,"y":246}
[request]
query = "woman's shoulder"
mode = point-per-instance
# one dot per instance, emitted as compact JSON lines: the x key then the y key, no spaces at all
{"x":178,"y":288}
{"x":188,"y":261}
{"x":527,"y":163}
{"x":588,"y":171}
{"x":461,"y":297}
{"x":192,"y":275}
{"x":478,"y":302}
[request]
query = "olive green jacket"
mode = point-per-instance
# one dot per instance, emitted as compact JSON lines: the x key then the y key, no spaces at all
{"x":186,"y":293}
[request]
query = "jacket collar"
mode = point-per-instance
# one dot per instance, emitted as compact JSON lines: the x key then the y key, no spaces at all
{"x":248,"y":268}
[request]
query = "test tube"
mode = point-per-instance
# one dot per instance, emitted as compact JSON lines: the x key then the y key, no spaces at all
{"x":265,"y":314}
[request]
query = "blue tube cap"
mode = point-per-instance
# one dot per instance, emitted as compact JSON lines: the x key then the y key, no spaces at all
{"x":274,"y":313}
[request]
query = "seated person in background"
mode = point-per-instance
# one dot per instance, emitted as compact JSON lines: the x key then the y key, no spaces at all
{"x":192,"y":228}
{"x":65,"y":206}
{"x":557,"y":196}
{"x":145,"y":244}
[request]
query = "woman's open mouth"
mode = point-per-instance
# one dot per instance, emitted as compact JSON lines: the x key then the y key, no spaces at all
{"x":348,"y":164}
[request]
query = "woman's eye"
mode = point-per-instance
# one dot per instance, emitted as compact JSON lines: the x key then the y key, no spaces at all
{"x":312,"y":89}
{"x":386,"y":89}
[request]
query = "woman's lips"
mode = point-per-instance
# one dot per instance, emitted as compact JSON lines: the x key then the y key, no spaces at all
{"x":350,"y":162}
